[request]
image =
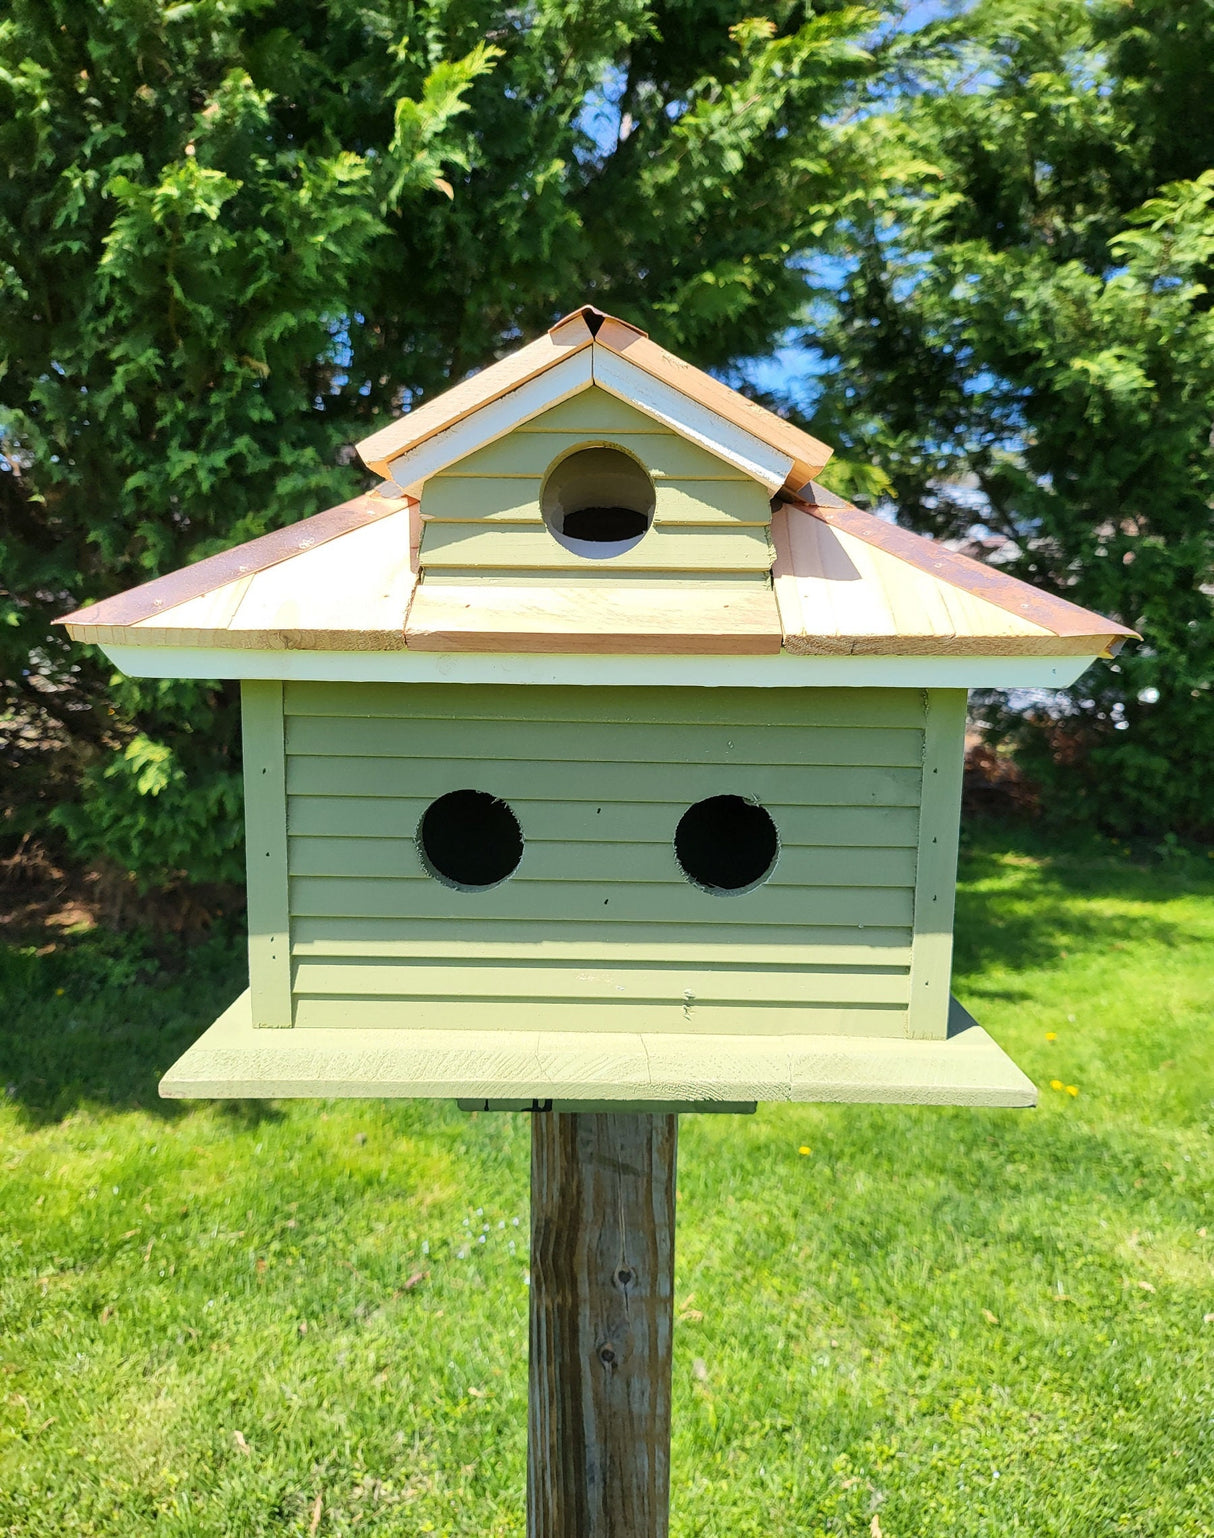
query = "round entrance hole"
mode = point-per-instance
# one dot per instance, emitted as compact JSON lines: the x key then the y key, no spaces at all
{"x":726,"y":845}
{"x":469,"y":840}
{"x":597,"y":502}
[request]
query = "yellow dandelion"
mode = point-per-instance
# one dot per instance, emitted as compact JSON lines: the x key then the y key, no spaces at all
{"x":1055,"y":1083}
{"x":1072,"y":1089}
{"x":1051,"y":1036}
{"x":804,"y":1150}
{"x":59,"y":992}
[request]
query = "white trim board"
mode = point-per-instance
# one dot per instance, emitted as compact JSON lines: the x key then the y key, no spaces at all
{"x":690,"y":419}
{"x":775,"y":672}
{"x":486,"y":425}
{"x":593,"y":365}
{"x":235,"y":1060}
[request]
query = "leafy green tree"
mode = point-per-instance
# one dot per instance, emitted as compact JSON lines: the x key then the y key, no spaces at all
{"x":1029,"y":316}
{"x":234,"y":237}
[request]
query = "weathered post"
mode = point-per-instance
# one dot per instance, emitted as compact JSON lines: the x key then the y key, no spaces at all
{"x":602,"y":1317}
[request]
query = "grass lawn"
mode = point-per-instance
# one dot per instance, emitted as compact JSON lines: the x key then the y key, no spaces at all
{"x":213,"y":1317}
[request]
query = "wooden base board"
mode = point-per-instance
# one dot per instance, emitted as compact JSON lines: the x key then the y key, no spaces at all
{"x":233,"y":1060}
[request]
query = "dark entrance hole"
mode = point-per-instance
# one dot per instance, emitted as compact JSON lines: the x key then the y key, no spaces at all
{"x":598,"y":502}
{"x":470,"y":840}
{"x":726,"y":844}
{"x":604,"y":525}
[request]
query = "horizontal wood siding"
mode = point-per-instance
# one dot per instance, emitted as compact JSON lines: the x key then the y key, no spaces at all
{"x":495,"y":702}
{"x":598,"y":913}
{"x":482,"y":513}
{"x":481,"y":499}
{"x":530,"y":547}
{"x":647,"y":822}
{"x":532,"y":1015}
{"x":598,"y":860}
{"x":664,"y":454}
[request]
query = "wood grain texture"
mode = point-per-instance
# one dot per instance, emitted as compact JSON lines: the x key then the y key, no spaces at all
{"x":808,"y":456}
{"x":353,"y":592}
{"x":602,"y":618}
{"x":601,"y":1325}
{"x":507,"y":374}
{"x":1058,"y":616}
{"x":266,"y":853}
{"x":936,"y":865}
{"x":217,"y":571}
{"x":232,"y":1059}
{"x":840,"y":594}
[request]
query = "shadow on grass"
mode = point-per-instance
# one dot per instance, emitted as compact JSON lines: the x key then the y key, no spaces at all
{"x":1024,"y":898}
{"x":95,"y":1018}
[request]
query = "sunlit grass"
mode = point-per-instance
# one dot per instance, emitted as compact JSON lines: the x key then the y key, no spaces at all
{"x":969,"y":1323}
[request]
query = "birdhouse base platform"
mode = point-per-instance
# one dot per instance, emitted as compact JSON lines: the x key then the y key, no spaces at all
{"x":235,"y":1060}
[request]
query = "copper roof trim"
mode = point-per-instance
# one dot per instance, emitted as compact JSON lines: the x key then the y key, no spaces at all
{"x":1006,"y":592}
{"x":177,"y":587}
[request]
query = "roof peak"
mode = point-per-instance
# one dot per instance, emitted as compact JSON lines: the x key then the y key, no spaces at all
{"x":593,"y":319}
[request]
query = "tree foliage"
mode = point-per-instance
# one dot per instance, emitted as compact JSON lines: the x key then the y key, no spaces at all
{"x":1030,"y":319}
{"x":235,"y":237}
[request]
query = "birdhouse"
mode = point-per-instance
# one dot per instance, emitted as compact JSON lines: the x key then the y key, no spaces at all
{"x":599,"y":756}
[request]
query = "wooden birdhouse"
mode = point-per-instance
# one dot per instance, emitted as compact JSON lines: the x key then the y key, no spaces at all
{"x":599,"y":755}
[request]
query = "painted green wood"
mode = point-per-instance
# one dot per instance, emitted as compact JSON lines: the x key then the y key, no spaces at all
{"x":612,"y":822}
{"x":485,"y":499}
{"x":711,"y":587}
{"x":529,"y":547}
{"x":590,"y":742}
{"x":548,"y":702}
{"x":266,"y":852}
{"x":671,"y":783}
{"x":546,"y":1015}
{"x":596,"y":903}
{"x":234,"y":1060}
{"x":663,"y":454}
{"x":620,"y":1107}
{"x":594,"y":411}
{"x":599,"y":779}
{"x":550,"y":860}
{"x":452,"y":498}
{"x":625,"y":985}
{"x":841,"y":959}
{"x":936,"y":876}
{"x":788,"y":944}
{"x":700,"y":502}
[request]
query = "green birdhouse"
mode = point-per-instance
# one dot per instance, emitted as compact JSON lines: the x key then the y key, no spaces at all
{"x":599,"y":755}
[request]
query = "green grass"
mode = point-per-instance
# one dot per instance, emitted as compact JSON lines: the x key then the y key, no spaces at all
{"x":961,"y":1322}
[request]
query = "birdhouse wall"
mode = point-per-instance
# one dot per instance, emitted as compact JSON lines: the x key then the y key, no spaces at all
{"x":483,"y":514}
{"x":599,"y":928}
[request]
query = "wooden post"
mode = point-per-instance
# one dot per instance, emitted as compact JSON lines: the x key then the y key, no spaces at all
{"x":602,"y":1317}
